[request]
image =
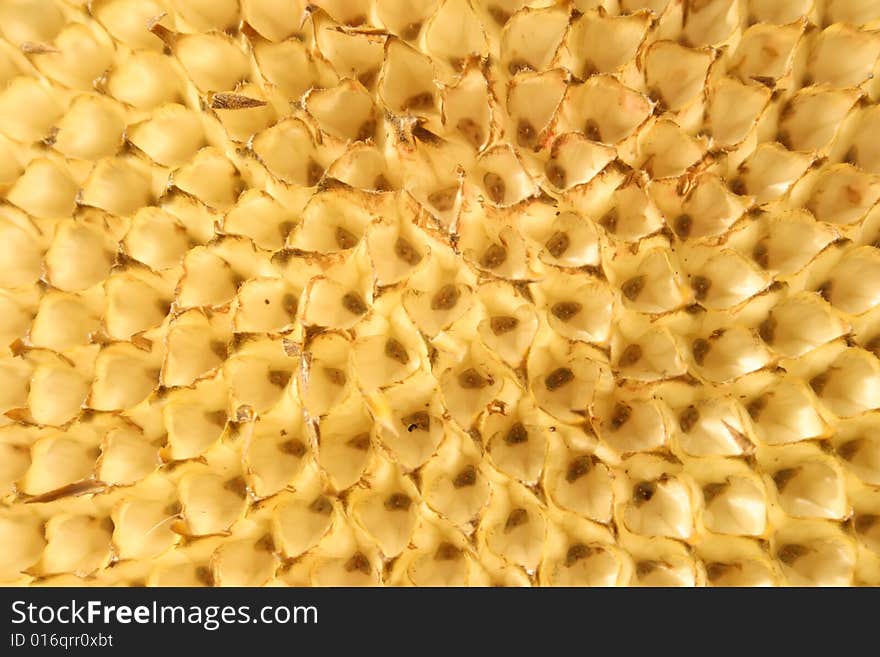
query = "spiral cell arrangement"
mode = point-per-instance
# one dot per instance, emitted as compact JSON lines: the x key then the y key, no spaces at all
{"x":440,"y":292}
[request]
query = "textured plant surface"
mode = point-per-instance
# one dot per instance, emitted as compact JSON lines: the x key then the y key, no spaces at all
{"x":440,"y":292}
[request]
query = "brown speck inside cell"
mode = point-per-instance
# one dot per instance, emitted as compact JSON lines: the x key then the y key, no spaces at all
{"x":445,"y":298}
{"x":761,"y":255}
{"x":683,"y":225}
{"x":471,"y":379}
{"x":418,"y":421}
{"x":314,"y":172}
{"x":321,"y":505}
{"x":767,"y":329}
{"x":404,"y":250}
{"x":790,"y":553}
{"x":558,"y":244}
{"x":237,"y":485}
{"x":865,"y":522}
{"x":279,"y":378}
{"x":265,"y":544}
{"x":466,"y":477}
{"x":609,"y":220}
{"x":164,"y":306}
{"x":589,"y":69}
{"x":447,"y":552}
{"x":217,"y":418}
{"x":382,"y":184}
{"x":471,"y":131}
{"x":358,"y":563}
{"x":592,"y":130}
{"x":516,"y":435}
{"x":493,"y":257}
{"x":643,"y":492}
{"x":716,"y":570}
{"x":630,"y":356}
{"x":688,"y":418}
{"x":354,"y":303}
{"x":360,"y":442}
{"x":620,"y":415}
{"x":367,"y":78}
{"x":285,"y":227}
{"x":411,"y":31}
{"x":633,"y":287}
{"x":782,"y":477}
{"x":345,"y":239}
{"x":419,"y":101}
{"x":558,"y":378}
{"x":818,"y":382}
{"x":398,"y":502}
{"x":701,"y":286}
{"x":701,"y":348}
{"x":499,"y":15}
{"x":335,"y":376}
{"x":713,"y":490}
{"x":204,"y":575}
{"x":556,"y":174}
{"x":646,"y":567}
{"x":564,"y":311}
{"x":495,"y":187}
{"x":501,"y":324}
{"x":784,"y":138}
{"x":756,"y":406}
{"x":395,"y":350}
{"x":576,"y":553}
{"x":293,"y":447}
{"x":289,"y":303}
{"x":850,"y":448}
{"x":525,"y":134}
{"x":443,"y":199}
{"x":578,"y":467}
{"x":516,"y":518}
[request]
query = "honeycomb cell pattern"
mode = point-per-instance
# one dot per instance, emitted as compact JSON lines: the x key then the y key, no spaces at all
{"x":440,"y":292}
